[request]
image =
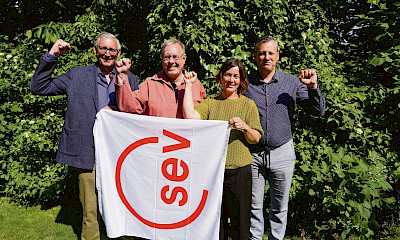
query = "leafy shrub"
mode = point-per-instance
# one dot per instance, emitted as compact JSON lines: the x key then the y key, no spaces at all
{"x":346,"y":179}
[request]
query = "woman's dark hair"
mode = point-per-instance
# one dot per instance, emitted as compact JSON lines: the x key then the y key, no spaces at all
{"x":233,"y":62}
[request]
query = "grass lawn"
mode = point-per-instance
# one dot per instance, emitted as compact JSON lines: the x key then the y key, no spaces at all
{"x":20,"y":222}
{"x":63,"y":222}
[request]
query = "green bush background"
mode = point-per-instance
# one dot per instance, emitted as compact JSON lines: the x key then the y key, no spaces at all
{"x":347,"y":174}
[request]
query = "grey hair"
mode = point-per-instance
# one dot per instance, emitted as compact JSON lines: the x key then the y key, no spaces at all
{"x":107,"y":35}
{"x":265,"y":39}
{"x":170,"y":42}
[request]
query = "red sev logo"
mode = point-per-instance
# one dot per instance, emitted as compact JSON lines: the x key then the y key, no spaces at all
{"x":172,"y":176}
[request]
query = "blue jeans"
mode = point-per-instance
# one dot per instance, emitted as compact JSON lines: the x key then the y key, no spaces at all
{"x":276,"y":166}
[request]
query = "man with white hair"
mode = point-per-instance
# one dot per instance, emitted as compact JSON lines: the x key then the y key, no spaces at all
{"x":88,"y":89}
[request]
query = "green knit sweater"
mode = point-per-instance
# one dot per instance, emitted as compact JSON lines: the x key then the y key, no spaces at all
{"x":219,"y":108}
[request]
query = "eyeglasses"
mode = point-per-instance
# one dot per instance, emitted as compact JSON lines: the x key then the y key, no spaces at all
{"x":175,"y":57}
{"x":112,"y":51}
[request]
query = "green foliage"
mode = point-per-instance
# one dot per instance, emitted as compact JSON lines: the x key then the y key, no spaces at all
{"x":347,"y":178}
{"x":214,"y":31}
{"x":350,"y":168}
{"x":31,"y":125}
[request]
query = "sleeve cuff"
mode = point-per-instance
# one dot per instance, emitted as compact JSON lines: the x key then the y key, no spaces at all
{"x":314,"y":91}
{"x":49,"y":58}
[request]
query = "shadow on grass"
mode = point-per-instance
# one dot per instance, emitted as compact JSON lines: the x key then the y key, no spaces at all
{"x":71,"y":208}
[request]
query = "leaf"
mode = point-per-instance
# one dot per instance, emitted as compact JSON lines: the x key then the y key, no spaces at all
{"x":385,"y":185}
{"x":325,"y":167}
{"x":356,"y":219}
{"x":374,"y":224}
{"x":46,"y":35}
{"x":364,"y":212}
{"x":364,"y":224}
{"x":305,"y":167}
{"x":28,"y":34}
{"x":380,"y":36}
{"x":38,"y":33}
{"x":15,"y":108}
{"x":390,"y":200}
{"x":362,"y":166}
{"x":376,"y":203}
{"x":342,"y":152}
{"x":385,"y":25}
{"x":311,"y":192}
{"x":237,"y":37}
{"x":196,"y":47}
{"x":53,"y":38}
{"x":353,"y":204}
{"x":367,"y":205}
{"x":342,"y":201}
{"x":377,"y":61}
{"x":345,"y":233}
{"x":303,"y":34}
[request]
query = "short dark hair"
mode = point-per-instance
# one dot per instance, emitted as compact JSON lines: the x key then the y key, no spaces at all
{"x":264,"y":39}
{"x":233,"y":62}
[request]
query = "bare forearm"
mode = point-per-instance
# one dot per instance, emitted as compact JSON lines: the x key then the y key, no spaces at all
{"x":188,"y":107}
{"x":252,"y":136}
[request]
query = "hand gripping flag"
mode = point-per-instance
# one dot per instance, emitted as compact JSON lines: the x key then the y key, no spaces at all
{"x":160,"y":178}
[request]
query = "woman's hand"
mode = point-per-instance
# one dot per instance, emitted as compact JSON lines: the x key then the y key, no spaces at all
{"x":187,"y":106}
{"x":190,"y":77}
{"x":252,"y":136}
{"x":238,"y":123}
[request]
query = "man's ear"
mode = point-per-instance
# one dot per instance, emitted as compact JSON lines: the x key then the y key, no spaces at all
{"x":95,"y":49}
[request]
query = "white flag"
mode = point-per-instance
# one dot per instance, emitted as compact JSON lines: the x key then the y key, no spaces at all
{"x":160,"y":178}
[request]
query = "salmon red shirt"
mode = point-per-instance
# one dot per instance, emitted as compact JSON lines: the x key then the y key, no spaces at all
{"x":156,"y":97}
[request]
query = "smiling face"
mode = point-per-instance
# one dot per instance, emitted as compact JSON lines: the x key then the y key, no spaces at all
{"x":106,"y":59}
{"x":231,"y":81}
{"x":172,"y":67}
{"x":266,"y":56}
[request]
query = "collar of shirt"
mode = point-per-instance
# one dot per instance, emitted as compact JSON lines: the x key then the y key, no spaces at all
{"x":255,"y":78}
{"x":163,"y":77}
{"x":102,"y":78}
{"x":105,"y":91}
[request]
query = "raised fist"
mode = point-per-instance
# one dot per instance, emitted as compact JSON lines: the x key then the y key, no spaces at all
{"x":309,"y":78}
{"x":123,"y":65}
{"x":190,"y":77}
{"x":60,"y":47}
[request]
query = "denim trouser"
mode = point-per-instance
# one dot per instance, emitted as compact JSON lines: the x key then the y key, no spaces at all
{"x":277,"y":166}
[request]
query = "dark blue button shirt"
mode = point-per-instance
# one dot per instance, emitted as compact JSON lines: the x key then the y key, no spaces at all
{"x":276,"y":101}
{"x":106,"y":92}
